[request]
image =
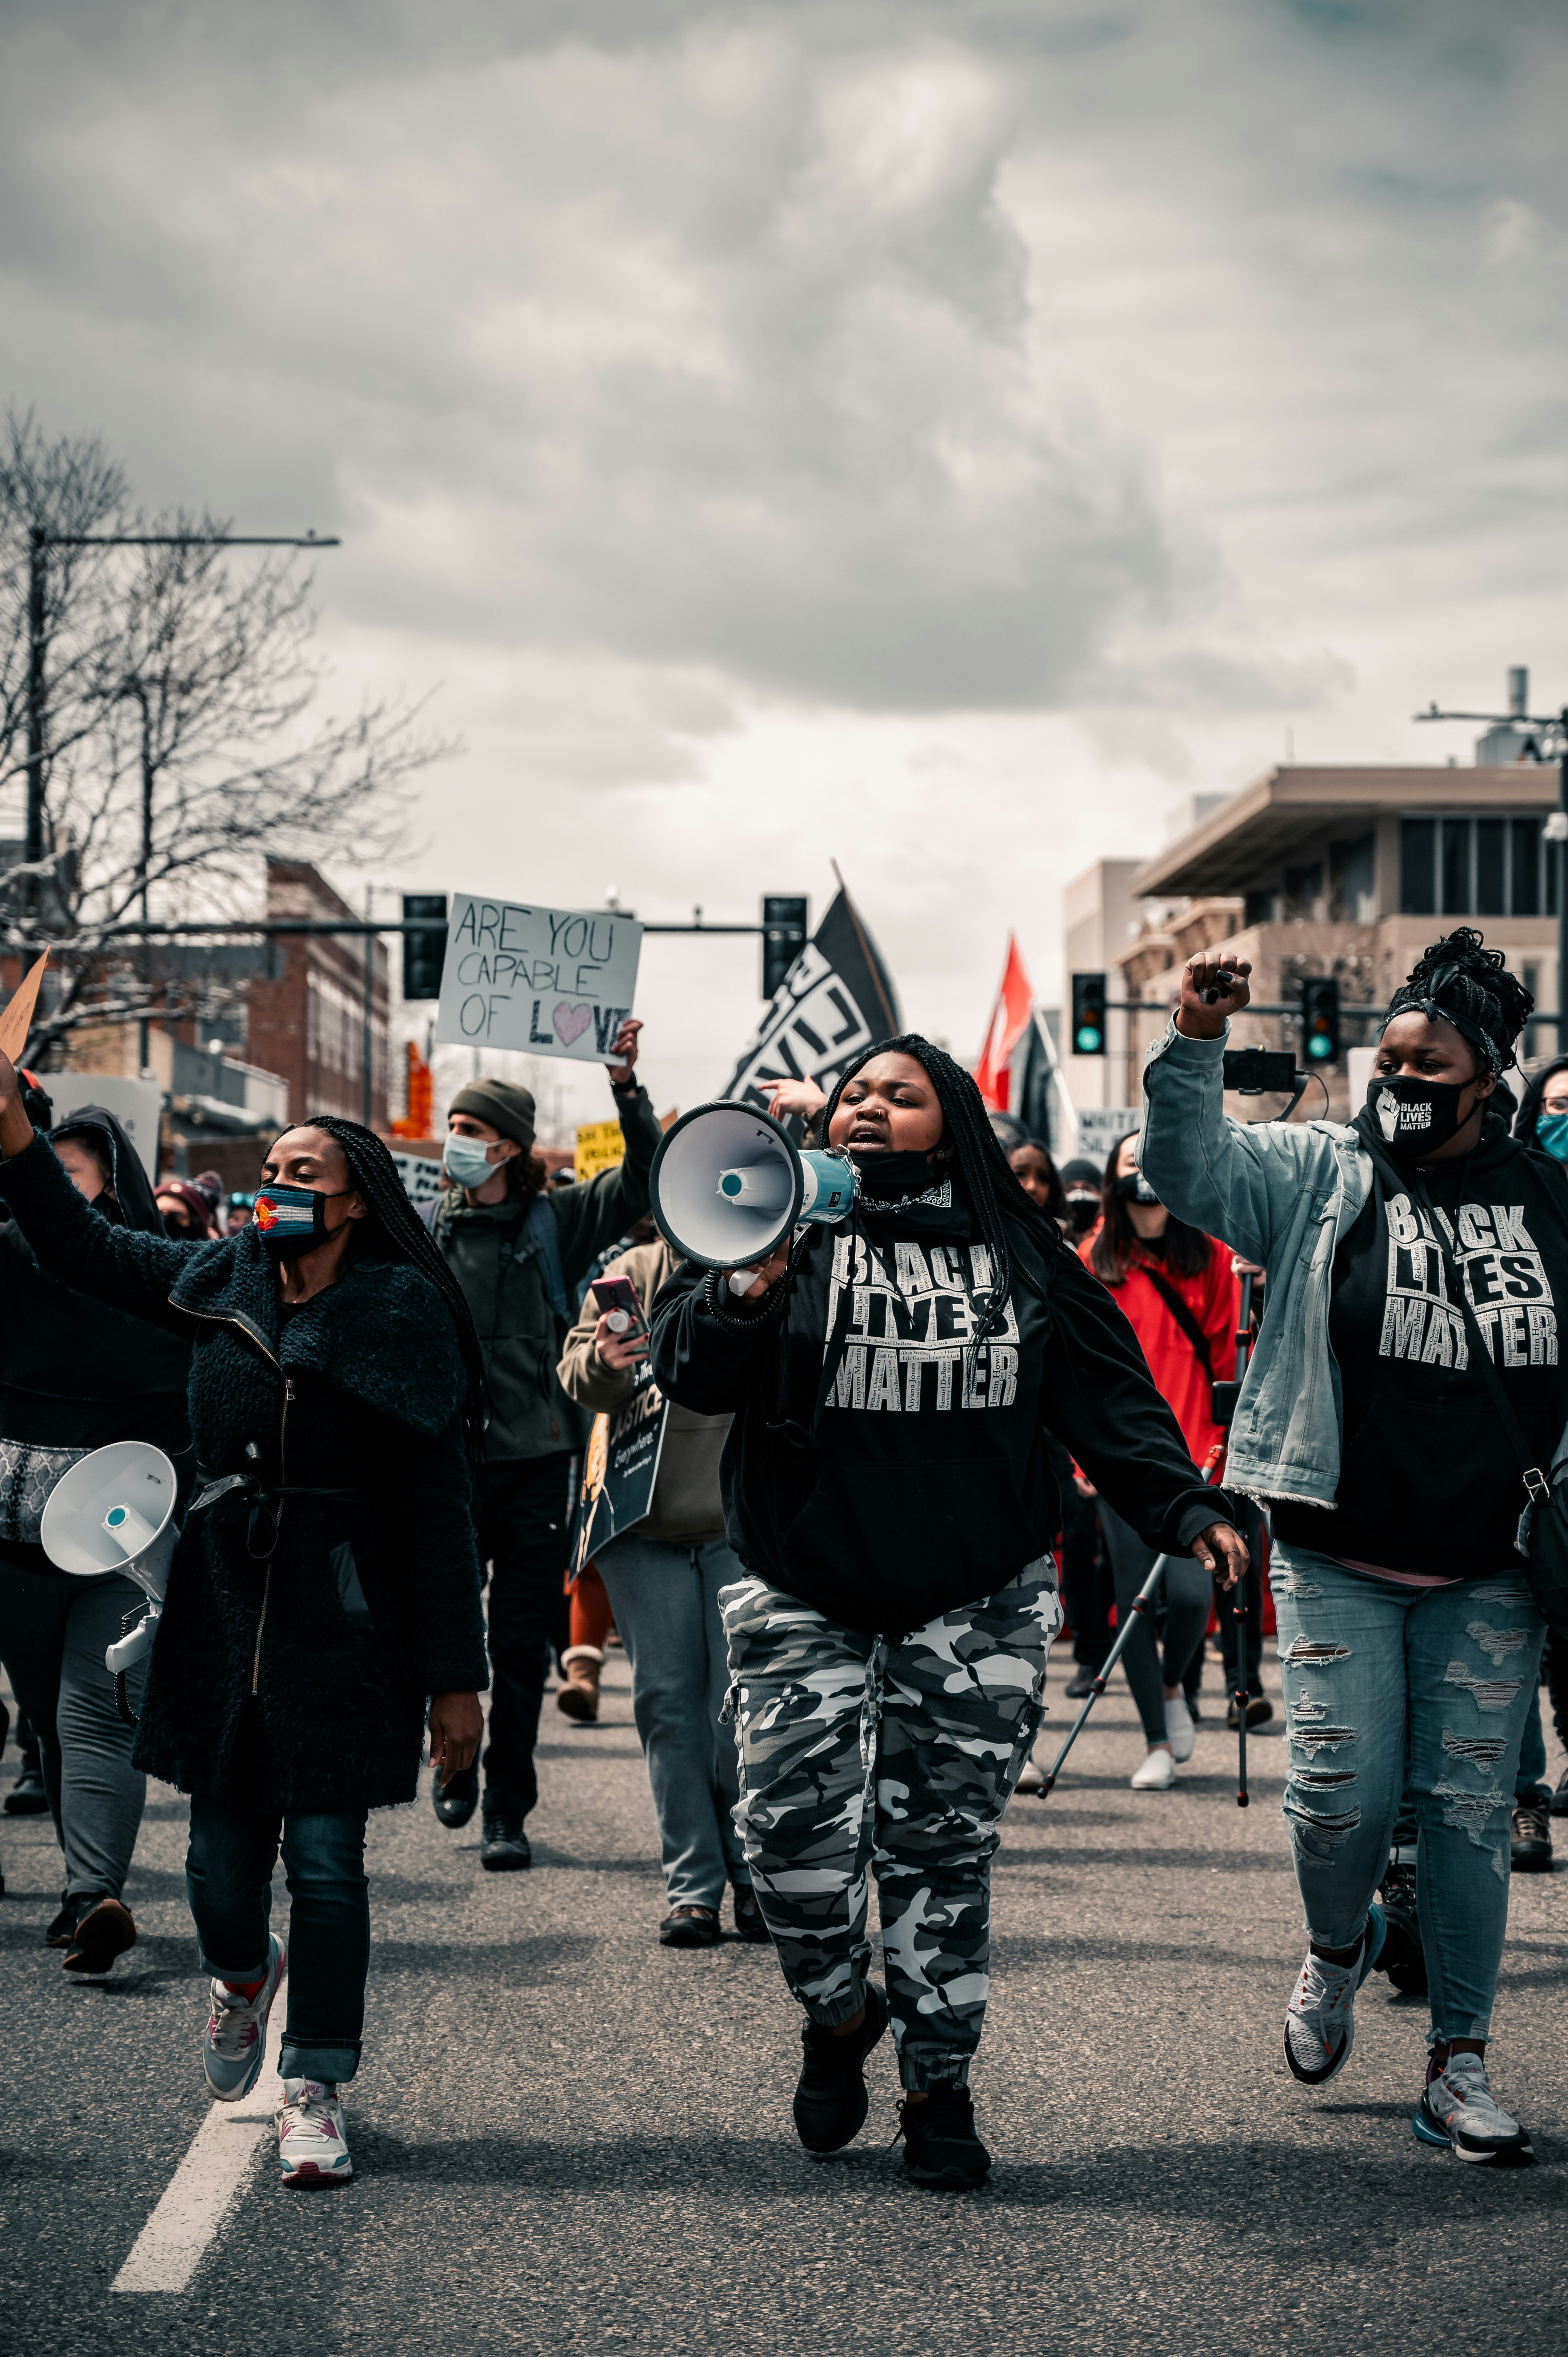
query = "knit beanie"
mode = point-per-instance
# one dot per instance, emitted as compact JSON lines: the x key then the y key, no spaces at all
{"x":504,"y":1104}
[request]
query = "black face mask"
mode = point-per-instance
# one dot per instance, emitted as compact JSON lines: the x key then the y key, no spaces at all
{"x":1414,"y":1118}
{"x":886,"y":1176}
{"x":1134,"y":1188}
{"x":1082,"y":1211}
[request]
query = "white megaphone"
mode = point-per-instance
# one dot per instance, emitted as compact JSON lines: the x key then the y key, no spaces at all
{"x":727,"y":1186}
{"x":115,"y":1511}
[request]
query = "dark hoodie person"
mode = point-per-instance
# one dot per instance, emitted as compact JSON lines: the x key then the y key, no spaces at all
{"x":1542,"y":1122}
{"x":73,"y":1377}
{"x":888,"y":1487}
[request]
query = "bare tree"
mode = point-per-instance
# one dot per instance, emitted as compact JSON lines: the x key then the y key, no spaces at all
{"x":187,"y":744}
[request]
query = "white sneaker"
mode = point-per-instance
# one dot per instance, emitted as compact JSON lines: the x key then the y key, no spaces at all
{"x":312,"y":2149}
{"x":236,"y":2038}
{"x":1158,"y":1774}
{"x":1458,"y":2108}
{"x":1179,"y":1726}
{"x":1320,"y":2021}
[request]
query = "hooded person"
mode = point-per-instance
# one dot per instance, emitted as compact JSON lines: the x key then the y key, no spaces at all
{"x":74,"y":1376}
{"x":888,"y":1487}
{"x":519,"y":1249}
{"x":1416,"y":1259}
{"x":323,"y":1604}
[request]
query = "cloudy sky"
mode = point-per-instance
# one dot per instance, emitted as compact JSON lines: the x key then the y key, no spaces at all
{"x":938,"y":437}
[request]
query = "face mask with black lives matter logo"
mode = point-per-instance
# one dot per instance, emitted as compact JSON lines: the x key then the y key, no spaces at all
{"x":1415,"y":1118}
{"x":910,"y":1345}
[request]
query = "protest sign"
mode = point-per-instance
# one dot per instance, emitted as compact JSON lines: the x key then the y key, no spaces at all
{"x":548,"y":982}
{"x":1099,"y":1126}
{"x":836,"y":999}
{"x":17,"y":1019}
{"x":421,"y":1177}
{"x":620,"y":1468}
{"x":601,"y":1145}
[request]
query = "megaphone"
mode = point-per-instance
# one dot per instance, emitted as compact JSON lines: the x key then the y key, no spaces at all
{"x":729,"y":1186}
{"x":115,"y":1511}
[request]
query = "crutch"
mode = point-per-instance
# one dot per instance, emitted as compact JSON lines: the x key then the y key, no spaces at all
{"x":1239,"y":1593}
{"x":1143,"y":1602}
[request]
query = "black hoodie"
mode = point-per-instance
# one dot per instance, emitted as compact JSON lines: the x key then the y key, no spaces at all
{"x":73,"y":1374}
{"x":1428,"y":1481}
{"x":927,"y":1484}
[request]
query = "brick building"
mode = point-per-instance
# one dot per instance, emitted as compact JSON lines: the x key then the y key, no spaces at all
{"x":309,"y":1026}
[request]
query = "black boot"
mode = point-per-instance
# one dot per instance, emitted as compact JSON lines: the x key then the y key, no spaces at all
{"x":503,"y":1846}
{"x":1403,"y":1958}
{"x":27,"y":1796}
{"x":455,"y":1801}
{"x":830,"y":2101}
{"x":940,"y":2147}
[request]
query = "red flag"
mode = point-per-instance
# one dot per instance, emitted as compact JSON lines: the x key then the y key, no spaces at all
{"x":1009,"y":1021}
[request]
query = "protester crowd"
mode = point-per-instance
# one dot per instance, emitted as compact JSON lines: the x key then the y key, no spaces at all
{"x":902,"y":1456}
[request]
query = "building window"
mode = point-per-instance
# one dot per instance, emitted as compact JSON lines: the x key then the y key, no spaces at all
{"x":1353,"y":867}
{"x":1304,"y":891}
{"x":1262,"y":909}
{"x":1465,"y":865}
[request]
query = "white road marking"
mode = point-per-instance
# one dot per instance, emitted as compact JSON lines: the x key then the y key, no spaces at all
{"x":204,"y":2187}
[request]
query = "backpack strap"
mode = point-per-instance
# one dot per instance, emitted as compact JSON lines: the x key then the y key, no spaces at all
{"x":544,"y":1238}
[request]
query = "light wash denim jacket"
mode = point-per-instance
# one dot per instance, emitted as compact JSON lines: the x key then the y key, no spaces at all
{"x":1280,"y":1193}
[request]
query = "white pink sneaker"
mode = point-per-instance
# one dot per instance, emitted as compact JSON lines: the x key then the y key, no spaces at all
{"x":313,"y":2147}
{"x":236,"y":2038}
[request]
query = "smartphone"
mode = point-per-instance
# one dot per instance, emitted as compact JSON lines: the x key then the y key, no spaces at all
{"x":617,"y":1299}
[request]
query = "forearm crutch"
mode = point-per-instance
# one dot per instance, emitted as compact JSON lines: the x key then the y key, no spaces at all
{"x":1142,"y":1603}
{"x":1239,"y":1593}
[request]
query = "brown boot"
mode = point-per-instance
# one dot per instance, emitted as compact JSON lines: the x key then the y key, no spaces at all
{"x":579,"y":1697}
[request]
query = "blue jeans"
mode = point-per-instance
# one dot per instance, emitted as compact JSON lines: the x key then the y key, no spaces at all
{"x":229,"y":1881}
{"x":665,"y":1600}
{"x":1363,"y":1662}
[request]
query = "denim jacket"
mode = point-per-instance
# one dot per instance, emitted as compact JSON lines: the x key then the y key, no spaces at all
{"x":1283,"y":1194}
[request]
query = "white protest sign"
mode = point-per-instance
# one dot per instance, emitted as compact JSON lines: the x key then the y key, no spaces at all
{"x":550,"y":981}
{"x":1099,"y":1126}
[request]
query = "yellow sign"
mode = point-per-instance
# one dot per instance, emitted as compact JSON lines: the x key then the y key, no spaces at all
{"x":600,"y":1145}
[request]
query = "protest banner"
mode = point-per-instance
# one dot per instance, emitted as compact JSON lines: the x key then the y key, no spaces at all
{"x":835,"y":1000}
{"x":421,"y":1176}
{"x":1099,"y":1126}
{"x":600,"y":1145}
{"x":17,"y":1019}
{"x":547,"y":982}
{"x":620,"y":1468}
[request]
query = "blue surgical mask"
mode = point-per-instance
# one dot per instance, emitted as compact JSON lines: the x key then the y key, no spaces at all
{"x":467,"y":1160}
{"x":1551,"y":1135}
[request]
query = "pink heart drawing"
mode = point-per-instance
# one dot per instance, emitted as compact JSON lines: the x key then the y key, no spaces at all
{"x":571,"y":1022}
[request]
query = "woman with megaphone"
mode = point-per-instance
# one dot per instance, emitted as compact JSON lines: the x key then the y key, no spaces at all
{"x":888,"y":1487}
{"x":324,"y":1590}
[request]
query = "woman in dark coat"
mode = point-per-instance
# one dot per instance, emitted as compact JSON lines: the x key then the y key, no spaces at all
{"x":326,"y":1587}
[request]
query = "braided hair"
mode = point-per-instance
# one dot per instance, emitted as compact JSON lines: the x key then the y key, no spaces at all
{"x":995,"y":1197}
{"x":1462,"y":982}
{"x":395,"y":1230}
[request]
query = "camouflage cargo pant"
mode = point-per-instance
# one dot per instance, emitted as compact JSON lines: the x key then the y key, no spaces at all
{"x":862,"y":1752}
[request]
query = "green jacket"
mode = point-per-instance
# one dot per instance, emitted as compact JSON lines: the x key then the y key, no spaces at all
{"x":494,"y":1254}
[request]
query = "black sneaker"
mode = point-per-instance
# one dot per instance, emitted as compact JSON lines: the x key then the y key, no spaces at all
{"x":1560,"y":1798}
{"x":940,"y":2147}
{"x":830,"y":2101}
{"x":455,"y":1801}
{"x":72,"y":1905}
{"x":1082,"y":1683}
{"x":1530,"y":1844}
{"x":104,"y":1931}
{"x":1403,"y":1958}
{"x":503,"y":1846}
{"x":690,"y":1927}
{"x":1260,"y":1710}
{"x":748,"y":1917}
{"x":27,"y":1797}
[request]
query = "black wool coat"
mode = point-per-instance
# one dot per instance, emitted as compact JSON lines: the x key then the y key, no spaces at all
{"x":338,"y":1627}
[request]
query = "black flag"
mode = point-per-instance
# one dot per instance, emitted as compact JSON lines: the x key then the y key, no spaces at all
{"x":836,"y":999}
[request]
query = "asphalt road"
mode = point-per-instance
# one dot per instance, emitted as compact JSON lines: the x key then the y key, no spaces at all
{"x":569,"y":2138}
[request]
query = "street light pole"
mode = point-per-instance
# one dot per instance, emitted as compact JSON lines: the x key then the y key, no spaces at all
{"x":40,"y":540}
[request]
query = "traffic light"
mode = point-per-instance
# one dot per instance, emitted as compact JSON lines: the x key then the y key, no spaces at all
{"x":422,"y":954}
{"x":1319,"y":1022}
{"x":783,"y":937}
{"x":1089,"y":1014}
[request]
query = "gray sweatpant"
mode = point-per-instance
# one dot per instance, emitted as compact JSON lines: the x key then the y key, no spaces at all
{"x":53,"y":1631}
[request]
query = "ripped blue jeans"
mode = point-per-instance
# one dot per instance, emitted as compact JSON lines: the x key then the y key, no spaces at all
{"x":1365,"y":1662}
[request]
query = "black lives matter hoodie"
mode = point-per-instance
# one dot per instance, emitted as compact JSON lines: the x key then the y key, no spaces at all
{"x":926,"y":1483}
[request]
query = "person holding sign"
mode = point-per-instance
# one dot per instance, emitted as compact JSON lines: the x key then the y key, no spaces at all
{"x":323,"y":1602}
{"x":662,"y":1576}
{"x":519,"y":1249}
{"x":888,"y":1487}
